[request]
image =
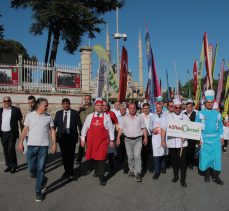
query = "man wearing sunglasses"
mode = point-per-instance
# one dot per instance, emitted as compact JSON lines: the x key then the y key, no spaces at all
{"x":212,"y":138}
{"x":9,"y":118}
{"x":175,"y":145}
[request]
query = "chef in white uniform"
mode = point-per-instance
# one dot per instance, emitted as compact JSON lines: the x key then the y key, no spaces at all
{"x":159,"y":151}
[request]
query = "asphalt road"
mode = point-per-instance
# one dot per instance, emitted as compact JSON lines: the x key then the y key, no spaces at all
{"x":120,"y":193}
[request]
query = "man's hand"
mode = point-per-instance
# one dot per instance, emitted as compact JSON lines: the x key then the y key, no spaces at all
{"x":222,"y":141}
{"x":145,"y":141}
{"x":53,"y":148}
{"x":118,"y":141}
{"x":20,"y":147}
{"x":82,"y":143}
{"x":112,"y":144}
{"x":163,"y":143}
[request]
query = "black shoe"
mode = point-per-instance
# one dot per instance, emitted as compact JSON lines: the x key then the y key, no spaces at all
{"x":103,"y":183}
{"x":95,"y":174}
{"x":183,"y":184}
{"x":207,"y":179}
{"x":7,"y":169}
{"x":163,"y":171}
{"x":175,"y":179}
{"x":39,"y":197}
{"x":32,"y":175}
{"x":13,"y":170}
{"x":65,"y":175}
{"x":138,"y":177}
{"x":156,"y":176}
{"x":190,"y":166}
{"x":218,"y":181}
{"x":44,"y":184}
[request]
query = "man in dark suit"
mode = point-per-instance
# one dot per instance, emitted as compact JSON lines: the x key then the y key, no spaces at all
{"x":9,"y":118}
{"x":191,"y":113}
{"x":66,"y":122}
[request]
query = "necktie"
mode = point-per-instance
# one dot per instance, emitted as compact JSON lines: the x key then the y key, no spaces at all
{"x":98,"y":114}
{"x":65,"y":121}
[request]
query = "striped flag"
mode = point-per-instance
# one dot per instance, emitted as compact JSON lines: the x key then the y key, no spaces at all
{"x":154,"y":87}
{"x":220,"y":83}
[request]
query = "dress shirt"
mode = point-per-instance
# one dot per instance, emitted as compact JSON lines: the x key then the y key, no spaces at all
{"x":107,"y":124}
{"x":133,"y":126}
{"x":6,"y":117}
{"x":147,"y":119}
{"x":68,"y":117}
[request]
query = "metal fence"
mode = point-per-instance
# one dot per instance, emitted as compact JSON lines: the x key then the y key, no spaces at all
{"x":33,"y":76}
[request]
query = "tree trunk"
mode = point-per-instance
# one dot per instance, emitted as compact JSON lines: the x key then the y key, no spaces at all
{"x":48,"y":45}
{"x":55,"y":44}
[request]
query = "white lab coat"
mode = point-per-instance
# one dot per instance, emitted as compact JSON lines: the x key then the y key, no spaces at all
{"x":156,"y":122}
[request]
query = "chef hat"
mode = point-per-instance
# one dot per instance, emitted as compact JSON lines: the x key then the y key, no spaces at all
{"x":159,"y":99}
{"x":215,"y":105}
{"x":209,"y":94}
{"x":98,"y":101}
{"x":177,"y":101}
{"x":189,"y":101}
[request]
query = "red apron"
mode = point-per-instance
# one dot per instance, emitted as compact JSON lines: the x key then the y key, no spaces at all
{"x":97,"y":139}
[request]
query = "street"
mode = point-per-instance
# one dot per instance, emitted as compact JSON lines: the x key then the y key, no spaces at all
{"x":120,"y":193}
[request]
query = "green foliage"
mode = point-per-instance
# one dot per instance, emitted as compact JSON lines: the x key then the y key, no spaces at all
{"x":68,"y":20}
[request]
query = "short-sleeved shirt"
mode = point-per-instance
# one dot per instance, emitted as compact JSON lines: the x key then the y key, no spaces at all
{"x":133,"y":126}
{"x":39,"y":125}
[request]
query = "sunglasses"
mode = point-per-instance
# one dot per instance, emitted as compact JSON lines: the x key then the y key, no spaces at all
{"x":177,"y":107}
{"x":6,"y":101}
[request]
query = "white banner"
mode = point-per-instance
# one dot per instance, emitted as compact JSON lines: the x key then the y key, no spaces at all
{"x":102,"y":77}
{"x":184,"y":129}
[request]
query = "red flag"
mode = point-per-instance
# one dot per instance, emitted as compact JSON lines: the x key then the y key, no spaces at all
{"x":123,"y":76}
{"x":195,"y":77}
{"x":207,"y":62}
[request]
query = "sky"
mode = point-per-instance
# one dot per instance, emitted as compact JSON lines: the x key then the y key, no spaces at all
{"x":176,"y":30}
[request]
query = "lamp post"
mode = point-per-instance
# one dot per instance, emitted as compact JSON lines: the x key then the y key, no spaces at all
{"x":118,"y":36}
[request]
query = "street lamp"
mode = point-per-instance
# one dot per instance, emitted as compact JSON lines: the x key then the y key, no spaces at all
{"x":118,"y":36}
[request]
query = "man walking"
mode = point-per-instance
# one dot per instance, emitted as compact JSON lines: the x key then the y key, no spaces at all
{"x":133,"y":127}
{"x":9,"y":118}
{"x":212,"y":139}
{"x":38,"y":125}
{"x":100,"y":135}
{"x":177,"y":146}
{"x":67,"y":121}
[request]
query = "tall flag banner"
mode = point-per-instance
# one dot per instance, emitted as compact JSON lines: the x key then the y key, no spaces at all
{"x":154,"y":87}
{"x":208,"y":60}
{"x":220,"y":83}
{"x":211,"y":60}
{"x":147,"y":92}
{"x":189,"y":85}
{"x":200,"y":69}
{"x":226,"y":96}
{"x":123,"y":76}
{"x":102,"y":77}
{"x":102,"y":54}
{"x":168,"y":90}
{"x":195,"y":77}
{"x":160,"y":85}
{"x":214,"y":60}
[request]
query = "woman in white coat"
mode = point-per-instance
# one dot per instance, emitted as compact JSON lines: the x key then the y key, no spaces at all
{"x":159,"y":151}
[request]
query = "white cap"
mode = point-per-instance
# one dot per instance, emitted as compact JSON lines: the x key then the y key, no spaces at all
{"x":189,"y":101}
{"x":209,"y":94}
{"x":177,"y":101}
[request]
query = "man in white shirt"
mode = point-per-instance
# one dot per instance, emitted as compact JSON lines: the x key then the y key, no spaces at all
{"x":170,"y":107}
{"x":146,"y":149}
{"x":38,"y":125}
{"x":116,"y":109}
{"x":100,"y":135}
{"x":177,"y":146}
{"x":133,"y":128}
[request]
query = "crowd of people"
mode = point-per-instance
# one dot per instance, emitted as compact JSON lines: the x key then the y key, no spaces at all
{"x":128,"y":131}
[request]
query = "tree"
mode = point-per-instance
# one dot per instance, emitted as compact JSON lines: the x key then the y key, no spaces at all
{"x":1,"y":30}
{"x":66,"y":20}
